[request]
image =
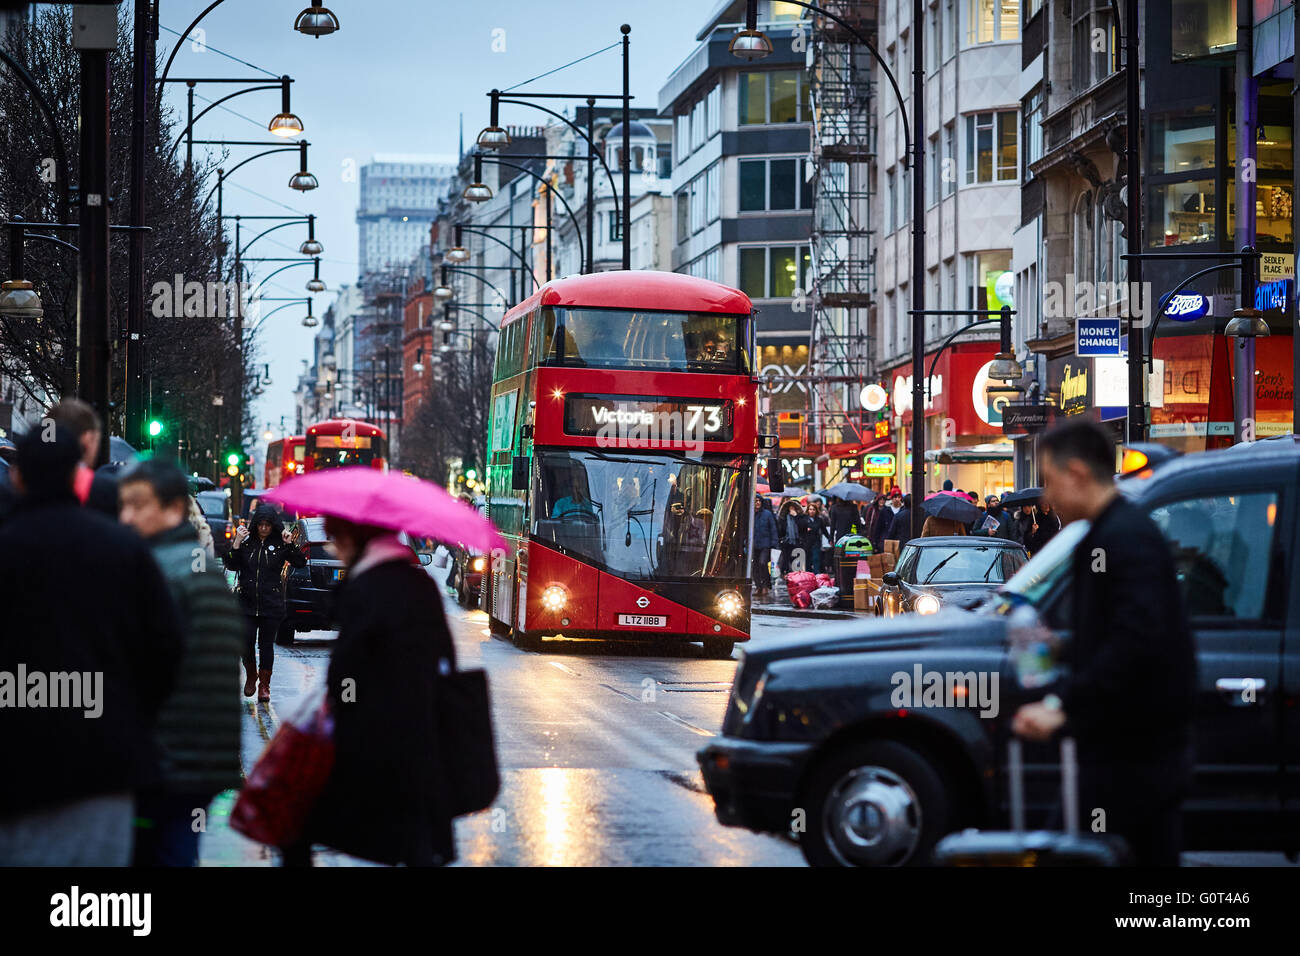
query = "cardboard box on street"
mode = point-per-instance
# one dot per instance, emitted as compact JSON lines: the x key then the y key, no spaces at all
{"x":862,"y":594}
{"x":891,"y":546}
{"x":890,"y":561}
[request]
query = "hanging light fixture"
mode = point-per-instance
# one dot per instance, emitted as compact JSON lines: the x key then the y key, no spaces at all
{"x":310,"y":320}
{"x":458,"y":252}
{"x":750,"y":43}
{"x":477,"y":191}
{"x":315,"y":284}
{"x":442,"y":291}
{"x":18,"y":300}
{"x":285,"y":123}
{"x":311,"y":247}
{"x":316,"y":21}
{"x":493,"y":135}
{"x":302,"y":180}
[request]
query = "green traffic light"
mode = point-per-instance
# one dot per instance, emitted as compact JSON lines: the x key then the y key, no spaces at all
{"x":233,"y":459}
{"x":471,"y":474}
{"x":155,"y":428}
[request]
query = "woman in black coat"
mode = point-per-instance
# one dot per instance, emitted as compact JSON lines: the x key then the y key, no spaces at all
{"x":259,"y":558}
{"x":384,"y":799}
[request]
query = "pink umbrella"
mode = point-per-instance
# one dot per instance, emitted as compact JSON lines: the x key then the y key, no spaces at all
{"x":389,"y":500}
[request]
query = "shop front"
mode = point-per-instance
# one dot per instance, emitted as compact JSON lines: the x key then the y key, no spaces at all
{"x":963,"y":435}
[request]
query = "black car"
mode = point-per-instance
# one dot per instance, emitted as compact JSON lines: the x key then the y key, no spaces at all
{"x":951,"y":570}
{"x":215,"y":506}
{"x":309,"y":590}
{"x":816,"y":738}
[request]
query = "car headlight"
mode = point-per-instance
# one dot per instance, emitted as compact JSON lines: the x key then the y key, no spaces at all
{"x":478,"y":564}
{"x":730,"y":603}
{"x":925,"y":604}
{"x":554,"y":598}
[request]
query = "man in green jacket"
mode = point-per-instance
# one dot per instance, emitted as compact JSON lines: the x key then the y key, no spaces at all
{"x":198,"y":726}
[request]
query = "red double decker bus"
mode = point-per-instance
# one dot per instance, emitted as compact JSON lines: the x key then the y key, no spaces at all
{"x":284,"y":459}
{"x":621,"y":453}
{"x":339,"y":442}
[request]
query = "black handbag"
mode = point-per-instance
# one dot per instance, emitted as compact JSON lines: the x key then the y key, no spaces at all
{"x":465,"y":741}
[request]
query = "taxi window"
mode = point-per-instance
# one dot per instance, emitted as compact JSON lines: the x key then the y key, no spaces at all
{"x":1221,"y":546}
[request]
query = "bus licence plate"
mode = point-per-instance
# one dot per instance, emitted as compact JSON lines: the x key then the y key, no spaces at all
{"x":642,"y":620}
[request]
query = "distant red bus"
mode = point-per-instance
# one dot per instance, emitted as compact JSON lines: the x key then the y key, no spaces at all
{"x":344,"y":441}
{"x":622,"y":441}
{"x":284,"y":459}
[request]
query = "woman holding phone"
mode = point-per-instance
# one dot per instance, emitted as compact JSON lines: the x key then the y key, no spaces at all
{"x":259,"y":557}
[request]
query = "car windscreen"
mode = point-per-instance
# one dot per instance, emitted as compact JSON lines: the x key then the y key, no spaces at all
{"x":951,"y":565}
{"x":1047,"y":568}
{"x":212,"y":505}
{"x":315,"y":530}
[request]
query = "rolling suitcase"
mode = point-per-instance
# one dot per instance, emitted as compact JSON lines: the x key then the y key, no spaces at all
{"x":1019,"y":847}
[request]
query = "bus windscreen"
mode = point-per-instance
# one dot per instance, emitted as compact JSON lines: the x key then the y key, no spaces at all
{"x":646,"y":517}
{"x":633,"y":339}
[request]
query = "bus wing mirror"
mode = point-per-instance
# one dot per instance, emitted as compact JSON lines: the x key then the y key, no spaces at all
{"x":519,"y":473}
{"x":767,"y":442}
{"x":775,"y":475}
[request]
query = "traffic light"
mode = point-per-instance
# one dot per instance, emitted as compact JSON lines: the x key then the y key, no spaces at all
{"x":155,"y":427}
{"x":232,"y":463}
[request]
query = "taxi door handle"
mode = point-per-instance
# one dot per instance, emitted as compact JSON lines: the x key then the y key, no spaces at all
{"x":1247,"y":690}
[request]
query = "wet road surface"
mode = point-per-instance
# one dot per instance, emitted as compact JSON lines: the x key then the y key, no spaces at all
{"x":596,"y":744}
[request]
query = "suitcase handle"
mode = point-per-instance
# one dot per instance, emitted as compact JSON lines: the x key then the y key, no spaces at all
{"x":1069,"y":784}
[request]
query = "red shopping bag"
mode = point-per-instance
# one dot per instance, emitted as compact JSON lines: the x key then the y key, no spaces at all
{"x":278,"y":796}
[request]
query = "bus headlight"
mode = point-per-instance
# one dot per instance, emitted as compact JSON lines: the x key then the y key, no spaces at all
{"x":925,"y":604}
{"x":730,"y":603}
{"x":554,"y":598}
{"x":478,"y":564}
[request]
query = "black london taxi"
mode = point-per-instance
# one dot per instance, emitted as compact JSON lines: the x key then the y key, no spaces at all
{"x":828,"y":738}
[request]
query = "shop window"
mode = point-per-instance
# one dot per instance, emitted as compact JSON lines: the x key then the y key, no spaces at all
{"x":1182,"y":213}
{"x":1272,"y":212}
{"x":1182,"y":144}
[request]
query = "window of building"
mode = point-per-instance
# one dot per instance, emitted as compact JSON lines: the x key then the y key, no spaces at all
{"x":991,"y":147}
{"x":682,"y":135}
{"x":992,"y":21}
{"x":1182,"y":213}
{"x":982,"y":270}
{"x":773,"y":184}
{"x":714,"y":111}
{"x":1031,"y":130}
{"x":698,"y":203}
{"x":698,"y":123}
{"x":683,"y":217}
{"x":615,"y":226}
{"x":933,"y":40}
{"x":891,"y":193}
{"x":934,"y":190}
{"x":1094,"y":51}
{"x":774,"y":272}
{"x":951,"y":15}
{"x":949,"y":171}
{"x":1182,"y":143}
{"x":774,"y":96}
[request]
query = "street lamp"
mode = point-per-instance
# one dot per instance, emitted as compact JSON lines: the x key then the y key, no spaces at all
{"x":315,"y":283}
{"x":750,"y":43}
{"x":285,"y":123}
{"x":458,"y":252}
{"x":316,"y":21}
{"x":18,"y":300}
{"x":477,"y":191}
{"x":310,"y":246}
{"x":309,"y":320}
{"x":302,"y":180}
{"x":442,"y":291}
{"x":494,"y":135}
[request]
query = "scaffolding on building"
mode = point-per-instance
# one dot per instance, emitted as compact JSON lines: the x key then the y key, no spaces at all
{"x":843,"y":253}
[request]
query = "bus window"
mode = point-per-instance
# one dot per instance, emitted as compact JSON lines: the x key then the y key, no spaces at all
{"x":666,"y":341}
{"x":543,"y":337}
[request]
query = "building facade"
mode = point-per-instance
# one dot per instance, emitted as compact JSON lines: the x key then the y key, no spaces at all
{"x":399,"y":197}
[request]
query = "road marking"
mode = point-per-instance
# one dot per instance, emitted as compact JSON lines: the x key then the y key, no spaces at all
{"x":635,"y":700}
{"x":687,"y":724}
{"x":568,"y":670}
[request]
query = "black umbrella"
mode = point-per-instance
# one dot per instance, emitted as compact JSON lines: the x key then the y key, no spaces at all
{"x":850,"y":491}
{"x":1026,"y":496}
{"x":953,"y":507}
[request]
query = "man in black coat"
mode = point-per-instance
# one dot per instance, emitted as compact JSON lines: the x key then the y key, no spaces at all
{"x":259,"y":558}
{"x":1130,"y":681}
{"x":90,"y":627}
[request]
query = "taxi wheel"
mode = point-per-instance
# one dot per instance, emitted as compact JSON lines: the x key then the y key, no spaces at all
{"x":718,"y":648}
{"x":879,"y":803}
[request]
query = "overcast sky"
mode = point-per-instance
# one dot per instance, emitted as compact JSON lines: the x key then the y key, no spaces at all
{"x":394,"y":79}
